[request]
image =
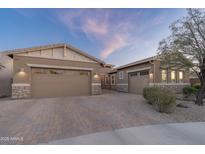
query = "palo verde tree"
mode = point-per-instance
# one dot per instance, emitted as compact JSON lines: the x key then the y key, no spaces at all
{"x":185,"y":47}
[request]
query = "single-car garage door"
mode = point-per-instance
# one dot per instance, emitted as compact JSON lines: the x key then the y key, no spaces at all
{"x":138,"y":80}
{"x":59,"y":83}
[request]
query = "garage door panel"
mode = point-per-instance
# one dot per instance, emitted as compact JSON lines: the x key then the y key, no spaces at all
{"x":66,"y":83}
{"x":137,"y":83}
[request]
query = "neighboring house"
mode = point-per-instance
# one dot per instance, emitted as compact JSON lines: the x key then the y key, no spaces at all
{"x":133,"y":77}
{"x":53,"y":71}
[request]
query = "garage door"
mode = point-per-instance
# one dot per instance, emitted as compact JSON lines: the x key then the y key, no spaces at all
{"x":59,"y":83}
{"x":137,"y":81}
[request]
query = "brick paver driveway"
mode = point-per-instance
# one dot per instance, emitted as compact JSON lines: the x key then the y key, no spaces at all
{"x":43,"y":120}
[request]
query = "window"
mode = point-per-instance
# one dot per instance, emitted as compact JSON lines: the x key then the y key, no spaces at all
{"x":121,"y":75}
{"x":84,"y":73}
{"x":57,"y":72}
{"x":144,"y":72}
{"x":112,"y":79}
{"x":173,"y":76}
{"x":133,"y":74}
{"x":180,"y":76}
{"x":164,"y":76}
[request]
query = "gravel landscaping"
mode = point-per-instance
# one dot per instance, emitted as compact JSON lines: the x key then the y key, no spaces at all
{"x":43,"y":120}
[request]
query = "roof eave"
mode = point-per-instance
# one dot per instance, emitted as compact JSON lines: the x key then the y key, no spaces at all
{"x":10,"y":53}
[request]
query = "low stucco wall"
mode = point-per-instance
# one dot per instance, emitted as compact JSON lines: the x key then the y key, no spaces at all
{"x":175,"y":87}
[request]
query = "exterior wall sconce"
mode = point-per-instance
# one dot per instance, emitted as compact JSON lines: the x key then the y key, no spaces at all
{"x":96,"y":75}
{"x":22,"y":71}
{"x":151,"y":76}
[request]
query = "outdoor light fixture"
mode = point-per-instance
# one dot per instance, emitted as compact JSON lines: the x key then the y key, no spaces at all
{"x":151,"y":76}
{"x":96,"y":75}
{"x":22,"y":71}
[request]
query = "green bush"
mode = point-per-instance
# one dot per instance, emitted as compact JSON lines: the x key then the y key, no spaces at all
{"x":188,"y":90}
{"x":197,"y":86}
{"x":163,"y":100}
{"x":147,"y":91}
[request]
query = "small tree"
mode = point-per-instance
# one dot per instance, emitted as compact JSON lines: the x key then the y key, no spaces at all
{"x":185,"y":47}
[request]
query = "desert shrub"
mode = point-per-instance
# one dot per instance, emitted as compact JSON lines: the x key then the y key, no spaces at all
{"x":197,"y":86}
{"x":148,"y":93}
{"x":188,"y":90}
{"x":163,"y":100}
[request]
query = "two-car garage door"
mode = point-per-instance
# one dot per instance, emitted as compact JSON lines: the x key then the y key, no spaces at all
{"x":59,"y":83}
{"x":138,"y":80}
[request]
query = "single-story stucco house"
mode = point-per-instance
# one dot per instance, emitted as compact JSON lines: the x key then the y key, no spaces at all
{"x":55,"y":70}
{"x":133,"y":77}
{"x":60,"y":70}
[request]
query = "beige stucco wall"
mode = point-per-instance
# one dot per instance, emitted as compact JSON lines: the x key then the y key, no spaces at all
{"x":22,"y":61}
{"x":125,"y":78}
{"x":157,"y":71}
{"x":154,"y":67}
{"x":58,"y":53}
{"x":158,"y":77}
{"x":25,"y":78}
{"x":6,"y":75}
{"x":122,"y":84}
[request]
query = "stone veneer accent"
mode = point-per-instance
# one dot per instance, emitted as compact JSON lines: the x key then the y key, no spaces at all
{"x":122,"y":87}
{"x":175,"y":87}
{"x":21,"y":91}
{"x":96,"y":89}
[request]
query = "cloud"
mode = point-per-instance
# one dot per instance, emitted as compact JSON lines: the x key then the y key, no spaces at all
{"x":92,"y":22}
{"x":117,"y":42}
{"x":111,"y":29}
{"x":92,"y":26}
{"x":98,"y":25}
{"x":68,"y":18}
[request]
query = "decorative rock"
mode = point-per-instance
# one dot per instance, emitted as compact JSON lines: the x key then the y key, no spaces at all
{"x":21,"y":91}
{"x":96,"y":89}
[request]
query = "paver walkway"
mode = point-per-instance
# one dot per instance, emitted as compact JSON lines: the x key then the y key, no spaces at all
{"x":35,"y":121}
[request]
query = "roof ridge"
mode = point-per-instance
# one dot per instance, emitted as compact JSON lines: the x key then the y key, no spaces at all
{"x":137,"y":62}
{"x":34,"y":47}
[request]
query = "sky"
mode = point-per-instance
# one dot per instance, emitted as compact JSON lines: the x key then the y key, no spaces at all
{"x":117,"y":36}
